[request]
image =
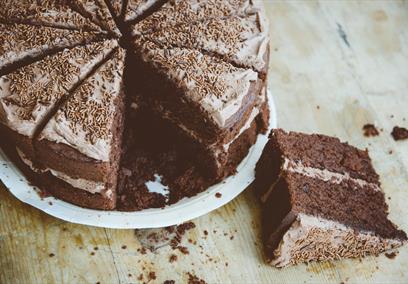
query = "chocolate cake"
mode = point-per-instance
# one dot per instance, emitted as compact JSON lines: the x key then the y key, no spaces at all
{"x":75,"y":105}
{"x":321,"y":201}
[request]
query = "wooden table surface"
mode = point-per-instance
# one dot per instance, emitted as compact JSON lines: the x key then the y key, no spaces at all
{"x":335,"y":66}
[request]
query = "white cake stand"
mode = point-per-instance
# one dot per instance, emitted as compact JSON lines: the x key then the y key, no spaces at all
{"x":184,"y":210}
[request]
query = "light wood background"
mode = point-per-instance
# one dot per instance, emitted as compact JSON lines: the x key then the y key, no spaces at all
{"x":335,"y":65}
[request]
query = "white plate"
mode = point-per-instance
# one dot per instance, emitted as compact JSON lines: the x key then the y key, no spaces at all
{"x":184,"y":210}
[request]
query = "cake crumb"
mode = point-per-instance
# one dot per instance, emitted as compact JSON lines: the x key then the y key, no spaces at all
{"x":370,"y":130}
{"x":152,"y":275}
{"x":192,"y":279}
{"x":183,"y":250}
{"x":399,"y":133}
{"x":173,"y":258}
{"x":142,"y":250}
{"x":391,"y":255}
{"x":218,"y":195}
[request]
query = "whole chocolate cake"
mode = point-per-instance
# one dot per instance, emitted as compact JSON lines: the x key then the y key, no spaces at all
{"x":321,"y":201}
{"x":101,"y":99}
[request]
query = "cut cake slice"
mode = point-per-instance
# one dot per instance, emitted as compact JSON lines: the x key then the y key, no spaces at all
{"x":208,"y":100}
{"x":84,"y":137}
{"x":322,"y":201}
{"x":30,"y":94}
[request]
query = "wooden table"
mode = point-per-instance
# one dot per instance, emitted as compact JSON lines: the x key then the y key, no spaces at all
{"x":335,"y":66}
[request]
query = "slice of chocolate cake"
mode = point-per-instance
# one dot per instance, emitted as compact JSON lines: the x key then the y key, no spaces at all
{"x":19,"y":42}
{"x":136,"y":8}
{"x":208,"y":100}
{"x":206,"y":96}
{"x":31,"y":93}
{"x":45,"y":13}
{"x":176,"y":12}
{"x":80,"y":144}
{"x":322,"y":201}
{"x":243,"y":41}
{"x":98,"y":11}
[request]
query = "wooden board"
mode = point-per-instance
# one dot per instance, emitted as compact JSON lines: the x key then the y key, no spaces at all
{"x":335,"y":65}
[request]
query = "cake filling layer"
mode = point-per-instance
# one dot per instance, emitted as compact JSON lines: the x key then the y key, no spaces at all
{"x":84,"y":184}
{"x":322,"y":174}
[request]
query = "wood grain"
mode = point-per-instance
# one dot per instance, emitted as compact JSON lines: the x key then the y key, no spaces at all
{"x":335,"y":65}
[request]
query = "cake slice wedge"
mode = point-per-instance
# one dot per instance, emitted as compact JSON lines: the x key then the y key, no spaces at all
{"x":241,"y":40}
{"x":84,"y":138}
{"x":136,"y":8}
{"x":45,"y":13}
{"x":30,"y":94}
{"x":321,"y":201}
{"x":98,"y":11}
{"x":207,"y":100}
{"x":176,"y":12}
{"x":19,"y":42}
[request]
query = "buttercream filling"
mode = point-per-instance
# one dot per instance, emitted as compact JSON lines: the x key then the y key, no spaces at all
{"x":315,"y":238}
{"x":322,"y":174}
{"x":84,"y":184}
{"x":246,"y":126}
